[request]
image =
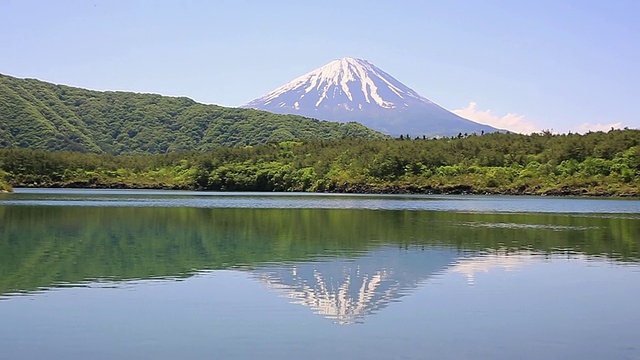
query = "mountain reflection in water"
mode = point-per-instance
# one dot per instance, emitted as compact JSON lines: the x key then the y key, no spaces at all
{"x":348,"y":289}
{"x":184,"y":275}
{"x":49,"y":246}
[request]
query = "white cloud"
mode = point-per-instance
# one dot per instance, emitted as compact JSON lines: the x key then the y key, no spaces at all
{"x":585,"y":127}
{"x":512,"y":122}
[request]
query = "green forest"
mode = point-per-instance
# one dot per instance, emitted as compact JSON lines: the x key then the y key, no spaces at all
{"x":44,"y":116}
{"x":60,"y":136}
{"x":595,"y":164}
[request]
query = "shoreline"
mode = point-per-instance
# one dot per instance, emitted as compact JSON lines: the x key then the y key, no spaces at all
{"x":357,"y":189}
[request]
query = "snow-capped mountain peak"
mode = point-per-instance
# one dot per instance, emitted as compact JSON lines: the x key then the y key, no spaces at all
{"x":355,"y":82}
{"x":351,"y":89}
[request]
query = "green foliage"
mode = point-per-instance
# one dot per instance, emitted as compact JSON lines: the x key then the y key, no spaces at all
{"x":4,"y":187}
{"x":492,"y":163}
{"x":43,"y":116}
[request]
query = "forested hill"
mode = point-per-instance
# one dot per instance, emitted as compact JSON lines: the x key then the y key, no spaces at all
{"x":592,"y":164}
{"x":44,"y":116}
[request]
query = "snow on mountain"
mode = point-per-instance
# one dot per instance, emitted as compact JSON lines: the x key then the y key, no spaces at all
{"x":352,"y":89}
{"x":352,"y":82}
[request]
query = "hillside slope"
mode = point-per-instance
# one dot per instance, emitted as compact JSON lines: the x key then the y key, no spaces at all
{"x":40,"y":115}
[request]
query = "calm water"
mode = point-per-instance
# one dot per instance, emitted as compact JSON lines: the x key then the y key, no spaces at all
{"x":102,"y":274}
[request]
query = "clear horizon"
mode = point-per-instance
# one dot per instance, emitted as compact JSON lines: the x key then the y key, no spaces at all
{"x":549,"y":65}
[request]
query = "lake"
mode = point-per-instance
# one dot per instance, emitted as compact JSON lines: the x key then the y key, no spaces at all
{"x":124,"y":274}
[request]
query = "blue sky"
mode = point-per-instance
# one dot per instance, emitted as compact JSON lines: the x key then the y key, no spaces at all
{"x":522,"y":65}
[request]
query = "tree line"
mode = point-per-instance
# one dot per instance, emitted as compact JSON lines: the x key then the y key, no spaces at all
{"x":596,"y":163}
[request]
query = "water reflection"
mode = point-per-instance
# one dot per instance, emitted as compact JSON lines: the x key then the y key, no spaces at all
{"x":192,"y":281}
{"x":486,"y":263}
{"x":348,"y":289}
{"x":48,"y":246}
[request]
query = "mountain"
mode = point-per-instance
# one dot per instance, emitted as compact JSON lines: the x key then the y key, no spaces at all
{"x":40,"y":115}
{"x":351,"y":89}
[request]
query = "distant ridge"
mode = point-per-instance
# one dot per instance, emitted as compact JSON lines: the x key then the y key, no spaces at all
{"x":351,"y":89}
{"x":44,"y":116}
